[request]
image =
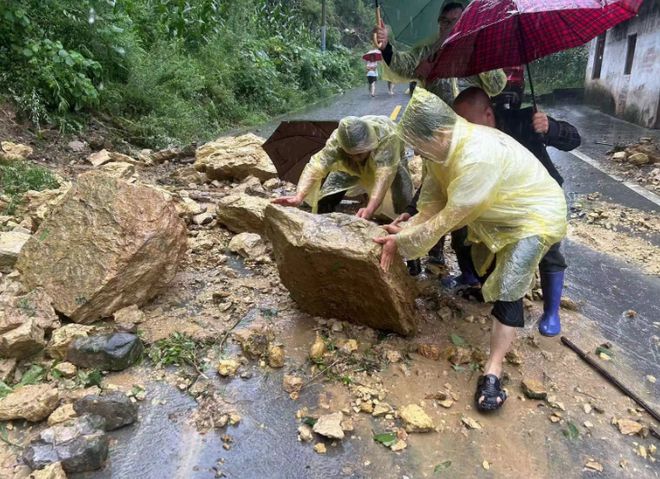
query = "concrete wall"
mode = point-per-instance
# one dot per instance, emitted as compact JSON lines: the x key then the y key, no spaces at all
{"x":634,"y":97}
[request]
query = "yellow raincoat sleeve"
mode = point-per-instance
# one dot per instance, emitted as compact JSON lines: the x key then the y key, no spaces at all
{"x":386,"y":161}
{"x":311,"y":179}
{"x":468,"y":195}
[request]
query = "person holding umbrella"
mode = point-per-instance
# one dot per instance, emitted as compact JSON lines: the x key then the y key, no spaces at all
{"x":514,"y":211}
{"x":372,"y":58}
{"x":362,"y":155}
{"x":405,"y":64}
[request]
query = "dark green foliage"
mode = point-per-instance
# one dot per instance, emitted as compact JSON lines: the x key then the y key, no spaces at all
{"x":174,"y":71}
{"x":561,"y":70}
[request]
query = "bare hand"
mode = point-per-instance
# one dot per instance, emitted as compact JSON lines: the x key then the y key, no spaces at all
{"x":287,"y":201}
{"x":400,"y":219}
{"x":364,"y":213}
{"x":381,"y":35}
{"x":389,"y":251}
{"x":392,"y":228}
{"x":540,"y":123}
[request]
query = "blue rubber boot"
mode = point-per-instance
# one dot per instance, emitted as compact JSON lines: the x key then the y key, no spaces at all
{"x":551,"y":285}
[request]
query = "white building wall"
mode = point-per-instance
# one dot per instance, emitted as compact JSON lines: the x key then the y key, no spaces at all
{"x":634,"y":97}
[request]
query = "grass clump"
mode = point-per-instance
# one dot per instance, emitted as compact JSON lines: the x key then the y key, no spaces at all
{"x":19,"y":177}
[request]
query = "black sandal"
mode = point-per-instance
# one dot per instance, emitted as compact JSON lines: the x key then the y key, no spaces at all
{"x":471,"y":293}
{"x":490,"y":388}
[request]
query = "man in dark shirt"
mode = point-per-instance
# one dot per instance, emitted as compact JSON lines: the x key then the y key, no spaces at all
{"x":535,"y":131}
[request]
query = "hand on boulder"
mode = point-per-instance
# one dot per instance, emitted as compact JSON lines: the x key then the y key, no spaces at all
{"x":364,"y":213}
{"x":287,"y":201}
{"x":392,"y":228}
{"x":389,"y":250}
{"x":400,"y":219}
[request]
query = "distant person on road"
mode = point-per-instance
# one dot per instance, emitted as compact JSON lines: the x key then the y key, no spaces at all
{"x":363,"y":155}
{"x":372,"y":77}
{"x":404,"y":64}
{"x":534,"y":130}
{"x":513,"y":209}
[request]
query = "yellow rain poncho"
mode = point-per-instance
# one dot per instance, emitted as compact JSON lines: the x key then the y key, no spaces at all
{"x":404,"y":64}
{"x":382,"y":174}
{"x":482,"y":178}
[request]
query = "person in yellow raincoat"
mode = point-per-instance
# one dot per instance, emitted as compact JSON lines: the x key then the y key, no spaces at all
{"x":403,"y":64}
{"x":363,"y":155}
{"x":514,"y":211}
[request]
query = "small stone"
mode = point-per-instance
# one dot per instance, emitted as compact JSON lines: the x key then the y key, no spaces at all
{"x":319,"y":448}
{"x":381,"y":409}
{"x":587,"y":408}
{"x":485,"y":465}
{"x":588,"y":424}
{"x":247,"y":245}
{"x":51,"y":471}
{"x":99,"y":158}
{"x":276,"y":356}
{"x":619,"y":156}
{"x":399,"y":445}
{"x":79,"y":444}
{"x":594,"y":466}
{"x":202,"y":219}
{"x":347,"y":424}
{"x":66,"y":369}
{"x":305,"y":433}
{"x":61,"y":414}
{"x":367,"y":407}
{"x":292,"y":383}
{"x":470,"y":423}
{"x":446,"y":403}
{"x":533,"y":389}
{"x":430,"y":351}
{"x":14,"y":151}
{"x":604,"y":357}
{"x":514,"y":357}
{"x":639,"y":159}
{"x":554,"y":418}
{"x":628,"y":427}
{"x":350,"y":346}
{"x":234,"y":418}
{"x":329,"y":425}
{"x":650,"y":379}
{"x":415,"y":419}
{"x":460,"y":355}
{"x":76,"y":146}
{"x":129,"y":316}
{"x":393,"y":356}
{"x":228,"y":367}
{"x":119,"y":169}
{"x":33,"y":403}
{"x":108,"y":352}
{"x":116,"y":408}
{"x":11,"y":244}
{"x":317,"y":349}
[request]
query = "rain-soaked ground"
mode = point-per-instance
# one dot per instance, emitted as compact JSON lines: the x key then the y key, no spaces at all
{"x":526,"y":439}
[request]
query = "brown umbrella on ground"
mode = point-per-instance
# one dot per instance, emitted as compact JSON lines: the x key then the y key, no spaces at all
{"x":293,"y":143}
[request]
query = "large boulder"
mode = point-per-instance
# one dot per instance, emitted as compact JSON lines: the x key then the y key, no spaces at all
{"x":37,"y":305}
{"x":330,"y":265}
{"x":80,"y":444}
{"x":242,"y":213}
{"x":108,"y":352}
{"x":14,"y":151}
{"x":234,"y":158}
{"x":108,"y":245}
{"x":115,"y":407}
{"x":23,"y":341}
{"x":33,"y":403}
{"x":61,"y":339}
{"x":11,"y":244}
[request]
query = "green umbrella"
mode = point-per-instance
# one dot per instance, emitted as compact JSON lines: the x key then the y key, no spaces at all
{"x":413,"y":22}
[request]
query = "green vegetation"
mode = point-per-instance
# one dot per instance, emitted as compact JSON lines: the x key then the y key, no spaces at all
{"x":34,"y":375}
{"x":18,"y":177}
{"x":174,"y":71}
{"x":177,"y":349}
{"x":561,"y":70}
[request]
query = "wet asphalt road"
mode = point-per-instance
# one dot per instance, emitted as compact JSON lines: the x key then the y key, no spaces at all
{"x":608,"y":287}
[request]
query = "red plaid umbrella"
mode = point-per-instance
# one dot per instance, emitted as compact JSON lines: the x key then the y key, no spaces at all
{"x":373,"y":56}
{"x":503,"y":33}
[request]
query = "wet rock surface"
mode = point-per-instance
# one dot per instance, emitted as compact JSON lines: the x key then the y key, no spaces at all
{"x":113,"y":352}
{"x":319,"y":256}
{"x":79,"y":445}
{"x":91,"y":271}
{"x":116,"y":408}
{"x":242,"y":213}
{"x":235,"y":158}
